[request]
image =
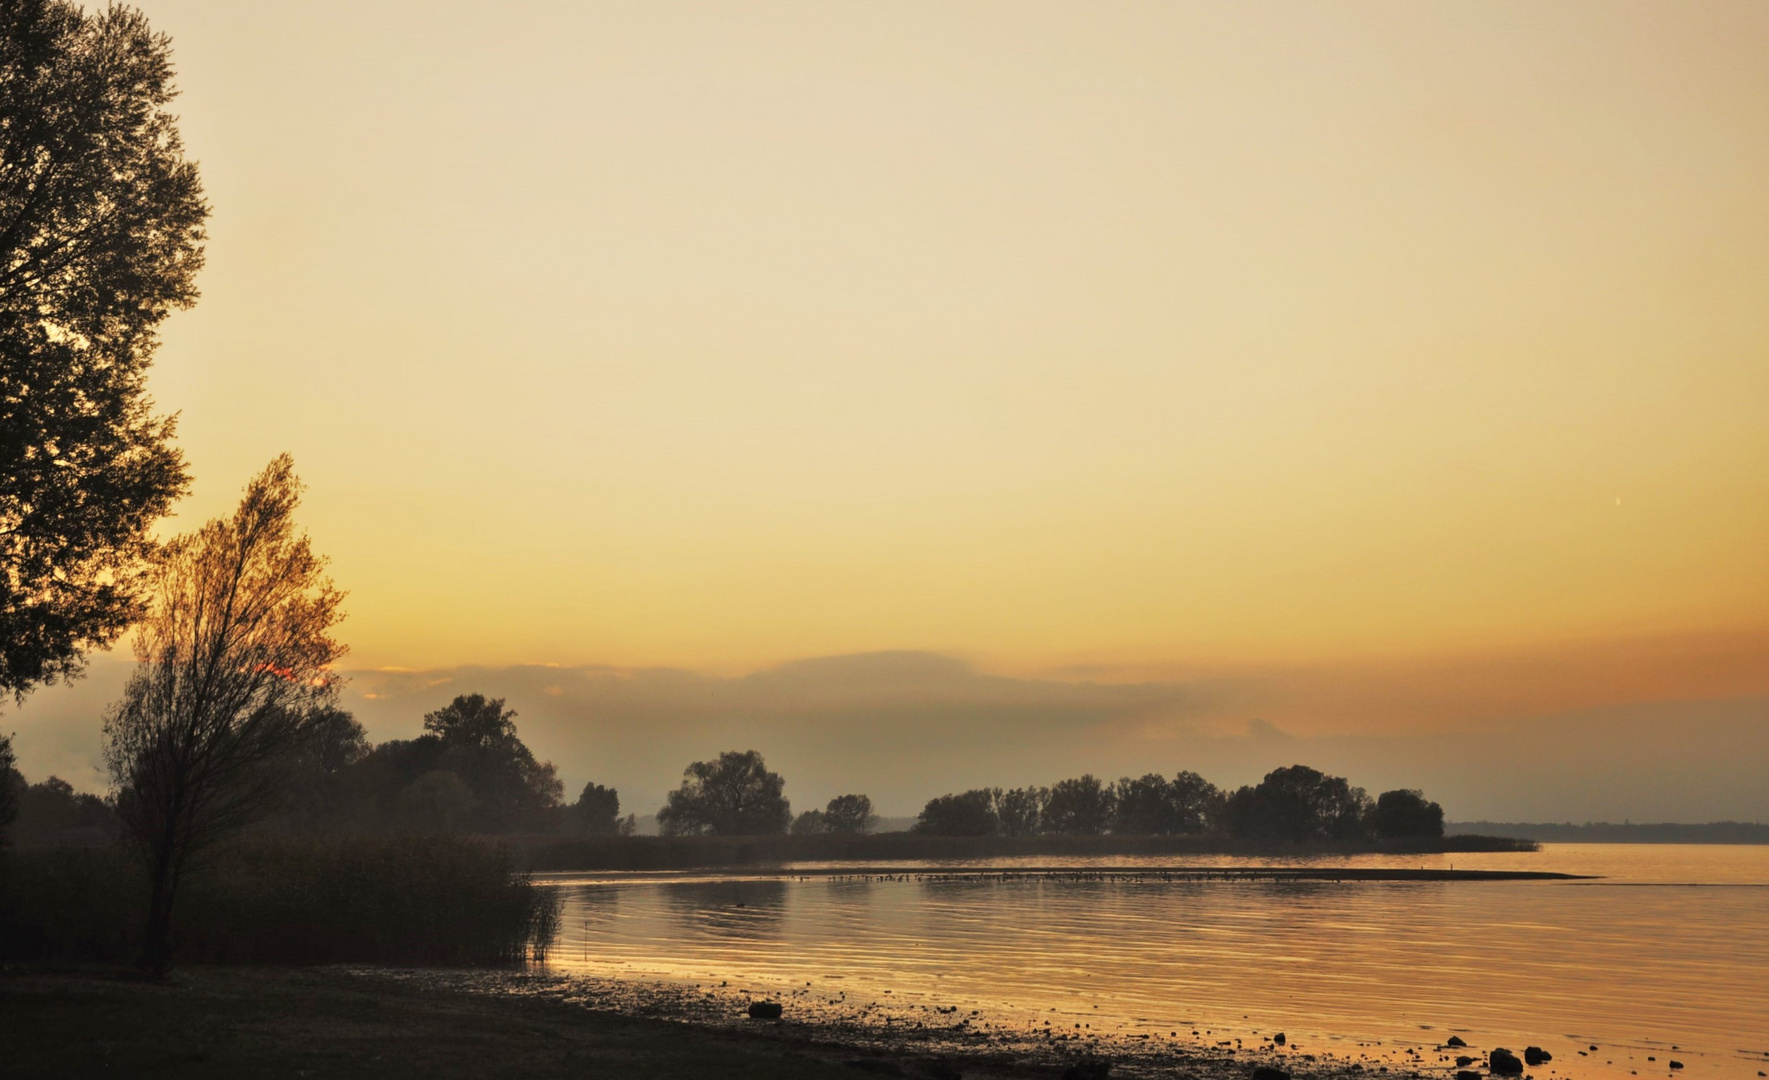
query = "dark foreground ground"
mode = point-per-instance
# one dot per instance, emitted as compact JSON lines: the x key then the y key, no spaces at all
{"x":278,"y":1022}
{"x":218,"y":1022}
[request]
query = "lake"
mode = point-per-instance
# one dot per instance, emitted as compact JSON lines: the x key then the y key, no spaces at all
{"x":1663,"y":954}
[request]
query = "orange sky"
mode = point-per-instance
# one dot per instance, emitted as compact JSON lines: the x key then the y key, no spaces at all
{"x":1125,"y":338}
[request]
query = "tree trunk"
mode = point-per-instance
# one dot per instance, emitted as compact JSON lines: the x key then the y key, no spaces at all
{"x":156,"y":953}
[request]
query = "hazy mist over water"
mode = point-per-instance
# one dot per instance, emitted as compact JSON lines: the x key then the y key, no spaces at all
{"x":906,"y":727}
{"x":1666,"y":948}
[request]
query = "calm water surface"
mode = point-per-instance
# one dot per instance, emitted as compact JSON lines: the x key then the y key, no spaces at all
{"x":1670,"y":947}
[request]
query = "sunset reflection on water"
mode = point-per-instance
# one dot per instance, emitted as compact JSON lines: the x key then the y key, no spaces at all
{"x":1667,"y":948}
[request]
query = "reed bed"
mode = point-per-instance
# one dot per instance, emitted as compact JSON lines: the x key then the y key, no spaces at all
{"x":425,"y":900}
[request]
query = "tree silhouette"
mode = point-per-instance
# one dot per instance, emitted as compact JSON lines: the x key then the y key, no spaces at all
{"x":438,"y":801}
{"x":969,"y":813}
{"x":734,"y":795}
{"x":473,"y":721}
{"x":101,"y":234}
{"x":1021,"y":810}
{"x":849,"y":814}
{"x":1405,"y":814}
{"x":235,"y":651}
{"x":475,"y":738}
{"x":1298,"y":805}
{"x":1196,"y":802}
{"x":1080,"y":806}
{"x":597,"y":810}
{"x":1144,"y":807}
{"x":810,"y":823}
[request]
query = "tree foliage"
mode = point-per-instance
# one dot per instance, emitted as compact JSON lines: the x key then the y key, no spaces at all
{"x":234,"y":654}
{"x":101,"y":235}
{"x":733,"y":795}
{"x":1405,"y":814}
{"x":968,"y":813}
{"x":1081,"y":806}
{"x":849,"y":814}
{"x":1298,"y":805}
{"x":473,"y":722}
{"x":842,"y":814}
{"x":809,"y":823}
{"x":597,"y":810}
{"x":1020,"y":811}
{"x":1155,"y":806}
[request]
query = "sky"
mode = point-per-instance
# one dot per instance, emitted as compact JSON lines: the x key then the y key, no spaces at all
{"x":1368,"y":372}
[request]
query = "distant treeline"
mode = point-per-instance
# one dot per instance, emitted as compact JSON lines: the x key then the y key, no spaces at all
{"x":1295,"y":805}
{"x":1603,"y":832}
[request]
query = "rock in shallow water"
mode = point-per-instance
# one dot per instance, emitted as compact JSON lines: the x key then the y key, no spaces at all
{"x":1469,"y":1074}
{"x":1503,"y":1062}
{"x":1464,"y":1061}
{"x":1535,"y":1055}
{"x":765,"y":1010}
{"x":1266,"y":1072}
{"x":1454,"y":1040}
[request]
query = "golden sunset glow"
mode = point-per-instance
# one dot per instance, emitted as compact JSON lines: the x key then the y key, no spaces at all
{"x":1054,"y":337}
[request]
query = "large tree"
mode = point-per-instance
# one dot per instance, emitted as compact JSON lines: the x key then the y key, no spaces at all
{"x":478,"y":742}
{"x":101,"y":235}
{"x":1298,"y":805}
{"x":234,"y":658}
{"x":734,"y":795}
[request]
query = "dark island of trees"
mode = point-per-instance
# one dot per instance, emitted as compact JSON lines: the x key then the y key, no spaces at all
{"x":733,"y":811}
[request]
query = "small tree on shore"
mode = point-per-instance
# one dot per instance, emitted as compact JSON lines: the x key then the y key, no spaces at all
{"x":810,"y":823}
{"x":849,"y":814}
{"x":233,"y":656}
{"x":734,"y":795}
{"x":597,"y":810}
{"x":1405,"y":814}
{"x":968,"y":813}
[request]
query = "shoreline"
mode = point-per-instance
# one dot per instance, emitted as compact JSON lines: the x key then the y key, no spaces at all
{"x":911,"y":1039}
{"x":568,"y":854}
{"x":378,"y":1023}
{"x":442,"y":1024}
{"x":878,"y":872}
